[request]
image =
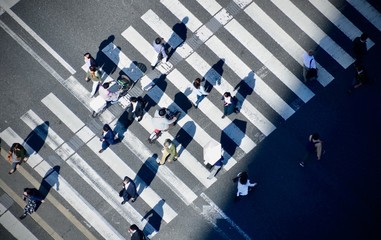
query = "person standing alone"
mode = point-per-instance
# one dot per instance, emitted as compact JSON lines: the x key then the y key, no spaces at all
{"x":159,"y":47}
{"x":16,"y":155}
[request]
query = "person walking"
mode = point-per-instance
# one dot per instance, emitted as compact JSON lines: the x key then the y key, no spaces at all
{"x":309,"y":66}
{"x":314,"y":146}
{"x":108,"y":137}
{"x":169,"y":152}
{"x":136,"y":108}
{"x":159,"y":47}
{"x":95,"y":76}
{"x":359,"y":48}
{"x":16,"y":155}
{"x":216,"y":167}
{"x":31,"y":196}
{"x":89,"y":60}
{"x":200,"y":91}
{"x":244,"y":185}
{"x":230,"y":104}
{"x":136,"y":233}
{"x":107,"y":95}
{"x":361,"y":78}
{"x":129,"y":190}
{"x":160,"y":120}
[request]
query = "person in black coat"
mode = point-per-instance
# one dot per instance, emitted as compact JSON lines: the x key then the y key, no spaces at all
{"x":136,"y":108}
{"x":129,"y":190}
{"x":359,"y":48}
{"x":136,"y":233}
{"x":108,"y":137}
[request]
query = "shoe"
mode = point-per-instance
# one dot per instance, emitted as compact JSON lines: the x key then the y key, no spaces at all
{"x":11,"y":171}
{"x":301,"y":164}
{"x":139,"y":119}
{"x":133,"y":199}
{"x":236,"y":110}
{"x":158,"y":163}
{"x":195,"y":106}
{"x":223,"y":116}
{"x":123,"y":202}
{"x":22,"y":216}
{"x":100,"y":151}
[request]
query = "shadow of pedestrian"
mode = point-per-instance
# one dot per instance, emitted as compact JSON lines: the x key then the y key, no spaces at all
{"x":183,"y":102}
{"x":160,"y":83}
{"x":102,"y":60}
{"x":153,"y":216}
{"x":147,"y":173}
{"x":227,"y":142}
{"x":122,"y":125}
{"x":36,"y":138}
{"x":178,"y":36}
{"x":185,"y":135}
{"x":213,"y":75}
{"x":49,"y":180}
{"x":245,"y":87}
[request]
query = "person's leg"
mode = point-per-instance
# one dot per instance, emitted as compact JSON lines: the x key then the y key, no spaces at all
{"x":94,"y":88}
{"x":214,"y":171}
{"x":164,"y":157}
{"x":305,"y":74}
{"x":305,"y":158}
{"x":14,"y":166}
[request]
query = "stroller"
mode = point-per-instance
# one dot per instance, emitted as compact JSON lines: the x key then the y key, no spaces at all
{"x":123,"y":83}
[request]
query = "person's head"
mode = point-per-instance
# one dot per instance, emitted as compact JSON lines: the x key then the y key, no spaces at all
{"x":17,"y":146}
{"x":243,"y":178}
{"x":106,"y":128}
{"x":87,"y":55}
{"x":314,"y":136}
{"x":227,"y":94}
{"x":133,"y":99}
{"x":158,"y":40}
{"x":92,"y":69}
{"x":364,"y":37}
{"x":133,"y":228}
{"x":310,"y":52}
{"x":106,"y":85}
{"x":167,"y":142}
{"x":197,"y":83}
{"x":162,"y":112}
{"x":126,"y":179}
{"x":27,"y":191}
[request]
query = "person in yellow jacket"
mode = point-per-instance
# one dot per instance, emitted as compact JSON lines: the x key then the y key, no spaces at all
{"x":169,"y":152}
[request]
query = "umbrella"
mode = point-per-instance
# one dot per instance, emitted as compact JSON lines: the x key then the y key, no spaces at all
{"x":212,"y":152}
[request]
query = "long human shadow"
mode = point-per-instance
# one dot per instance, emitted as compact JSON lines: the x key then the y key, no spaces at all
{"x":183,"y":102}
{"x":227,"y":143}
{"x":102,"y":60}
{"x":185,"y":135}
{"x":37,"y":137}
{"x":213,"y":75}
{"x":179,"y":35}
{"x":146,"y":173}
{"x":122,"y":125}
{"x":245,"y":87}
{"x":160,"y":83}
{"x":153,"y":217}
{"x":49,"y":180}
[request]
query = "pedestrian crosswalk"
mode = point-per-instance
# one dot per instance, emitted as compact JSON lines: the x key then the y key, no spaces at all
{"x":230,"y":57}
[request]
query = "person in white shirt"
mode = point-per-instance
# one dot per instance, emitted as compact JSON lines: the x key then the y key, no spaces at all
{"x":244,"y":184}
{"x":107,"y":95}
{"x":161,"y":122}
{"x":199,"y":90}
{"x":309,"y":66}
{"x":159,"y":46}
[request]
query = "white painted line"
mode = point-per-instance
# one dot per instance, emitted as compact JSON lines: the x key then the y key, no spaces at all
{"x":7,"y":8}
{"x":42,"y":129}
{"x":247,"y":109}
{"x":242,"y":70}
{"x":314,"y":32}
{"x":368,"y":11}
{"x":68,"y":193}
{"x":226,"y":125}
{"x":224,"y":216}
{"x":339,"y":20}
{"x":108,"y":193}
{"x":210,"y":5}
{"x":284,"y":40}
{"x":62,"y":112}
{"x":15,"y":227}
{"x":181,"y":12}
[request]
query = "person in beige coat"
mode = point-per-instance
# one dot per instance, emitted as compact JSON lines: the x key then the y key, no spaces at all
{"x":169,"y":152}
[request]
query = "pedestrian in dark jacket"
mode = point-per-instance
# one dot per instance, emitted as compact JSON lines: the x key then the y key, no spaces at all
{"x":359,"y":48}
{"x":361,"y":78}
{"x":136,"y":233}
{"x":314,"y":147}
{"x":129,"y":190}
{"x":108,"y":138}
{"x":230,"y":104}
{"x":16,"y":155}
{"x":136,"y":108}
{"x":31,"y":196}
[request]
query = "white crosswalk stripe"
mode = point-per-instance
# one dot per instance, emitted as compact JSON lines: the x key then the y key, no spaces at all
{"x":179,"y":79}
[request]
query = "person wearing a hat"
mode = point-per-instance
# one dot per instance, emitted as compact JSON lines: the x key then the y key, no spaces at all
{"x":169,"y":152}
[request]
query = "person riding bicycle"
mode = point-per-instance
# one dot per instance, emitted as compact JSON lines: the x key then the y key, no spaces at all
{"x":161,"y":121}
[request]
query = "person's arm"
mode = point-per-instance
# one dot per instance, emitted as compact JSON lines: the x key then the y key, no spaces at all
{"x":163,"y":51}
{"x":202,"y":90}
{"x":318,"y":150}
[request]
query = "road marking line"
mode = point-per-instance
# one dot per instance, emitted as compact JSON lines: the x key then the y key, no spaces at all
{"x":368,"y":11}
{"x":7,"y":8}
{"x":284,"y":40}
{"x":314,"y":32}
